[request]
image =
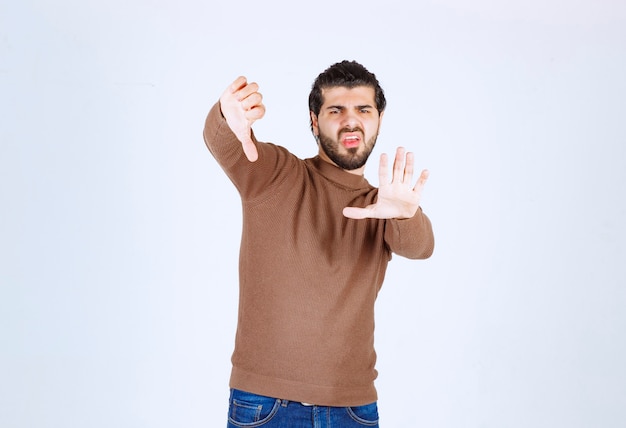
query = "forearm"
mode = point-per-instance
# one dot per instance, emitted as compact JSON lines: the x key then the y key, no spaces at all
{"x":412,"y":238}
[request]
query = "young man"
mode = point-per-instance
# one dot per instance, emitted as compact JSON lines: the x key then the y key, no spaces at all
{"x":316,"y":241}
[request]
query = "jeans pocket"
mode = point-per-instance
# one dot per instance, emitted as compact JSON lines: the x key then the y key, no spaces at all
{"x":366,"y":415}
{"x":250,"y":410}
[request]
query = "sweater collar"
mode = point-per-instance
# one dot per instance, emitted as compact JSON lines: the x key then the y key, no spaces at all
{"x":338,"y":175}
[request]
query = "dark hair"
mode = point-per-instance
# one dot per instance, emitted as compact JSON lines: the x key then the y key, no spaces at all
{"x":348,"y":74}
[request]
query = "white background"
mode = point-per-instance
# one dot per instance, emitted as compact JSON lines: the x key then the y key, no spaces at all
{"x":119,"y":233}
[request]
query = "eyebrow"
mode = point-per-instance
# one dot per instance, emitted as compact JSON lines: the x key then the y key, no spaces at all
{"x":340,"y":107}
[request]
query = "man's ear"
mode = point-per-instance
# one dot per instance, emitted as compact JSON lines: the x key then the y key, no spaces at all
{"x":314,"y":124}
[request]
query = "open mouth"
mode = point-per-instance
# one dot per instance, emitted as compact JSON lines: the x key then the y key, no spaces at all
{"x":350,"y":140}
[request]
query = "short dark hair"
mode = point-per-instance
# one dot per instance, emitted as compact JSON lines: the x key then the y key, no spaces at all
{"x":348,"y":74}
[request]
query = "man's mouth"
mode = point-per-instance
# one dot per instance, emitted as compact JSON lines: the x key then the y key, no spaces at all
{"x":350,"y":140}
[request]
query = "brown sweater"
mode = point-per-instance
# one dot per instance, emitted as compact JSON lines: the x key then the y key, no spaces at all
{"x":308,"y":276}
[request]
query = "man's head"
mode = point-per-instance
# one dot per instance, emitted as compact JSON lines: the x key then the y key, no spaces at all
{"x":347,"y":74}
{"x":346,"y":105}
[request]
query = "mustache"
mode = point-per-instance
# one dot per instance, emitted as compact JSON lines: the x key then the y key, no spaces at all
{"x":348,"y":129}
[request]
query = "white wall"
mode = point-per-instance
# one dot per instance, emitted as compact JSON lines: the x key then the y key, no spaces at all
{"x":119,"y":233}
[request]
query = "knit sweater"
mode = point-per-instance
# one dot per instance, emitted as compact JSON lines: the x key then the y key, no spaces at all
{"x":308,"y":276}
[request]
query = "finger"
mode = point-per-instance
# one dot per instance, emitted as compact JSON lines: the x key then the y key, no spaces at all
{"x":249,"y":149}
{"x":255,"y":113}
{"x":398,"y":165}
{"x":244,"y":135}
{"x":247,"y":144}
{"x":355,"y":213}
{"x":383,"y":167}
{"x":251,"y":101}
{"x":408,"y":168}
{"x":421,"y":181}
{"x":237,"y":84}
{"x":246,"y":90}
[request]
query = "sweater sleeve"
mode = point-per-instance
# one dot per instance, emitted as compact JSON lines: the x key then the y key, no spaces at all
{"x":252,"y":179}
{"x":411,"y":238}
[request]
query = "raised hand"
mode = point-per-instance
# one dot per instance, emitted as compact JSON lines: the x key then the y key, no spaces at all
{"x":397,"y":198}
{"x":242,"y":105}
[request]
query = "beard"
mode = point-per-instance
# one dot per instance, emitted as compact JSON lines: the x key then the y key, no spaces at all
{"x":352,"y":159}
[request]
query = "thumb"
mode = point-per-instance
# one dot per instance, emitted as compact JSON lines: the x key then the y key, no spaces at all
{"x":249,"y":148}
{"x":244,"y":135}
{"x":355,"y":213}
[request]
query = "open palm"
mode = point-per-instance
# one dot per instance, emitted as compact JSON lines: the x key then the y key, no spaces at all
{"x":398,"y":197}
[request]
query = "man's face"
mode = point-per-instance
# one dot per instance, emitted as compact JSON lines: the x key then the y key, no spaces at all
{"x":347,"y":126}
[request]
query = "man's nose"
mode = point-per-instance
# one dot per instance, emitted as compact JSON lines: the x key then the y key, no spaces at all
{"x":350,"y":119}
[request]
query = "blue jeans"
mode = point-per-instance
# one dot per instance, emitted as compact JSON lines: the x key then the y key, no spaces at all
{"x":251,"y":410}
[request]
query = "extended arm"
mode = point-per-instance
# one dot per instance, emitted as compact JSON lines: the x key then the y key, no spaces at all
{"x":408,"y":231}
{"x":254,"y":167}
